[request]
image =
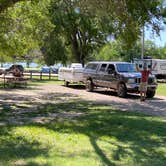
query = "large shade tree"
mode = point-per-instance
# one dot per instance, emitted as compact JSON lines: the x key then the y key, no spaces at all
{"x":76,"y":34}
{"x":130,"y":16}
{"x":82,"y":26}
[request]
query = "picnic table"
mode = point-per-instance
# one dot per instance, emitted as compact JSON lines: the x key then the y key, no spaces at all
{"x":13,"y":80}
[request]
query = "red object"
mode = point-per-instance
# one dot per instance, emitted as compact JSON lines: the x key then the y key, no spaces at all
{"x":145,"y":75}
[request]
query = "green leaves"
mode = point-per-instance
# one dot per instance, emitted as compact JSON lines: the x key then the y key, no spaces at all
{"x":23,"y":27}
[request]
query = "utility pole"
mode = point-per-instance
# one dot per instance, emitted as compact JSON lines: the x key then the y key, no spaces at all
{"x":143,"y":43}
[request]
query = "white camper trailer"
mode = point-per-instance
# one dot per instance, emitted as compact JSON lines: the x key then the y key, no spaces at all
{"x":72,"y":74}
{"x":159,"y":70}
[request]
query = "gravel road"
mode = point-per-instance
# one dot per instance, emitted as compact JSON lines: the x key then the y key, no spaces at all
{"x":155,"y":106}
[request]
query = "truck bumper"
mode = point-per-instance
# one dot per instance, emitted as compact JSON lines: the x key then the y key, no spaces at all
{"x":135,"y":87}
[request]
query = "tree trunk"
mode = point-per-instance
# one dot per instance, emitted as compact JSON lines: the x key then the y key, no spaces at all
{"x":75,"y":47}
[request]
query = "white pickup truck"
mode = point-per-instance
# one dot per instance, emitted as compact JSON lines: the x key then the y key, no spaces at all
{"x":72,"y":74}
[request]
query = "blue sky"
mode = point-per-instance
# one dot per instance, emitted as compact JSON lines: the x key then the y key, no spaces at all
{"x":159,"y":40}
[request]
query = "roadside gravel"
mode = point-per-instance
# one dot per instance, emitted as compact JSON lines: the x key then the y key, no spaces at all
{"x":155,"y":106}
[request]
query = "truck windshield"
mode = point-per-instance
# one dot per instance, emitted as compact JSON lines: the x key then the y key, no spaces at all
{"x":126,"y":68}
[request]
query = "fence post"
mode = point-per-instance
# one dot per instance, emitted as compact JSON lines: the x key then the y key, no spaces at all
{"x":4,"y":80}
{"x":49,"y":74}
{"x":40,"y":75}
{"x":31,"y":75}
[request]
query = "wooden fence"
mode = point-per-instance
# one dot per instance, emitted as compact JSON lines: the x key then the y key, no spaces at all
{"x":39,"y":75}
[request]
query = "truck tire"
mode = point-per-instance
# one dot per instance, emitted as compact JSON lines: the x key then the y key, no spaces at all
{"x":122,"y":91}
{"x":66,"y":83}
{"x":150,"y":93}
{"x":89,"y":86}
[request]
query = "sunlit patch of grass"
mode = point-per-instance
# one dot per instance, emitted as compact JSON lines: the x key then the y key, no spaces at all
{"x":37,"y":81}
{"x":161,"y":89}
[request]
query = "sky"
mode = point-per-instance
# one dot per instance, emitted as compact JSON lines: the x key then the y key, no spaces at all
{"x":158,"y":40}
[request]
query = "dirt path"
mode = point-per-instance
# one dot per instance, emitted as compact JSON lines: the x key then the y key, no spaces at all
{"x":156,"y":106}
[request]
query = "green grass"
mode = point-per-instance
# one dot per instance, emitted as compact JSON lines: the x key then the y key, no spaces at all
{"x":161,"y":89}
{"x":45,"y":81}
{"x":79,"y":133}
{"x":36,"y":81}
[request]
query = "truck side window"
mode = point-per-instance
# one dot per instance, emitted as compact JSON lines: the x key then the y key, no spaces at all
{"x":91,"y":66}
{"x":111,"y":69}
{"x":103,"y":67}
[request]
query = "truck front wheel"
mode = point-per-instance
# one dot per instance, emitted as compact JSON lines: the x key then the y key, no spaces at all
{"x":122,"y":91}
{"x":89,"y":86}
{"x":150,"y":93}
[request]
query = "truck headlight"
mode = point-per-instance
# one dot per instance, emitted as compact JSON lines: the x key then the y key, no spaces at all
{"x":131,"y":80}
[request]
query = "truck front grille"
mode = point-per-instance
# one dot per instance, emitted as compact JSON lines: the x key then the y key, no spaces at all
{"x":150,"y":80}
{"x":138,"y":80}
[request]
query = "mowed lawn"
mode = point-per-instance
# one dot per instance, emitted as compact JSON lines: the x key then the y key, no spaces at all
{"x":161,"y":89}
{"x":79,"y":133}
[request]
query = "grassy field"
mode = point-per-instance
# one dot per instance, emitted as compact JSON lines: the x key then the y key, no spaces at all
{"x":161,"y":90}
{"x":78,"y":133}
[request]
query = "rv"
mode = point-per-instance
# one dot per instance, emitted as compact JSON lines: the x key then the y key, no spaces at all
{"x":159,"y":70}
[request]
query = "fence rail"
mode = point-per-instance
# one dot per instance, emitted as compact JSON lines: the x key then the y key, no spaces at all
{"x":31,"y":75}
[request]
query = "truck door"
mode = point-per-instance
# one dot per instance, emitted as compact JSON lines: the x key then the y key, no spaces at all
{"x":110,"y":76}
{"x":100,"y":75}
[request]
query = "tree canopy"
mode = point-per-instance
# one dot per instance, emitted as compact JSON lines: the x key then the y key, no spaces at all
{"x":4,"y":4}
{"x":23,"y":28}
{"x":75,"y":30}
{"x":76,"y":33}
{"x":114,"y":51}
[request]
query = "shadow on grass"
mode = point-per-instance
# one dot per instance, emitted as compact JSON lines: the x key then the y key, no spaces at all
{"x":139,"y":136}
{"x":17,"y":147}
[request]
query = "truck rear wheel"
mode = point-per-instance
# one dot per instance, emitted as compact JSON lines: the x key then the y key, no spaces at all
{"x":122,"y":91}
{"x":66,"y":83}
{"x":150,"y":94}
{"x":89,"y":86}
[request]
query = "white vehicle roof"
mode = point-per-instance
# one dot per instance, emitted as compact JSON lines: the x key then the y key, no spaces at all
{"x":76,"y":65}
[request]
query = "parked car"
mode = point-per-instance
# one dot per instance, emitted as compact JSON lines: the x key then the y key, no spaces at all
{"x":16,"y":70}
{"x":120,"y":76}
{"x":20,"y":67}
{"x":45,"y":69}
{"x":49,"y":69}
{"x":54,"y":70}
